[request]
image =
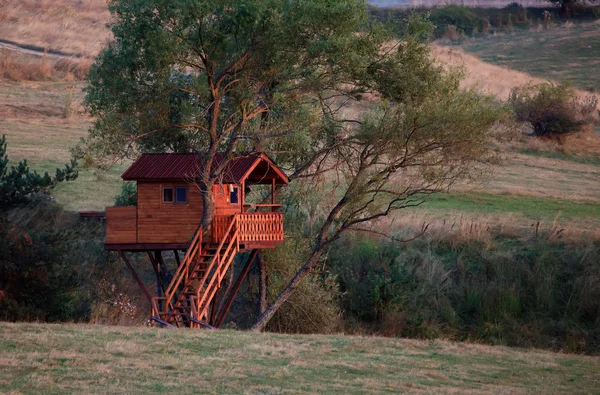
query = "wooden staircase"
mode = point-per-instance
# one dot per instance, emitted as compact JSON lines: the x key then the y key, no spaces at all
{"x":195,"y":284}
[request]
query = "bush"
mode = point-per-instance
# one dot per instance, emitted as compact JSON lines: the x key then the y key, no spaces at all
{"x":50,"y":261}
{"x":464,"y":20}
{"x":128,"y":195}
{"x":313,"y":307}
{"x":531,"y":292}
{"x":551,"y":109}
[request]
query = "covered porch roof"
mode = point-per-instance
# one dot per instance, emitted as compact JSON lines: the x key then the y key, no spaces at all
{"x":255,"y":168}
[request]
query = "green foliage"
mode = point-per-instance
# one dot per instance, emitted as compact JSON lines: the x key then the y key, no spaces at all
{"x":313,"y":307}
{"x":567,"y":6}
{"x":128,"y":195}
{"x":19,"y":184}
{"x":50,"y":262}
{"x":464,"y":18}
{"x":552,"y":109}
{"x":515,"y":292}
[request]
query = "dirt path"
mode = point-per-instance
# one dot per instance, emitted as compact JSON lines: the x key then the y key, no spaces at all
{"x":37,"y":51}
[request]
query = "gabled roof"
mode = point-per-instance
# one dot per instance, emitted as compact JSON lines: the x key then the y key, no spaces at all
{"x":185,"y":167}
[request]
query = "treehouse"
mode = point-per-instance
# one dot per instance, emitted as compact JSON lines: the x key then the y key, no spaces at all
{"x":167,"y":216}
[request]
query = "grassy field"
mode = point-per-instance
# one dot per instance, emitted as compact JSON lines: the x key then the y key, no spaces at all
{"x":537,"y":182}
{"x":563,"y":53}
{"x":43,"y":358}
{"x":32,"y":117}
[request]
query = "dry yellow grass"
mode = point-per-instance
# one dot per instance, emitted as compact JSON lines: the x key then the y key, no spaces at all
{"x":488,"y":78}
{"x":73,"y":27}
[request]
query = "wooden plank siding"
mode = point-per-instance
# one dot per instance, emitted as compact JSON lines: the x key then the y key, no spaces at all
{"x":121,"y":225}
{"x":160,"y":222}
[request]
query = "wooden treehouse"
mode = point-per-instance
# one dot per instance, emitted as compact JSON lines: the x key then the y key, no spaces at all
{"x":166,"y":218}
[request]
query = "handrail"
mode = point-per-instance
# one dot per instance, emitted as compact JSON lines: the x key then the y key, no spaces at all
{"x":183,"y":269}
{"x":216,"y":260}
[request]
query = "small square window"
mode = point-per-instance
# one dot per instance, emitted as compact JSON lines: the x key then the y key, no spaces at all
{"x":234,"y":195}
{"x":181,"y":195}
{"x":167,"y":195}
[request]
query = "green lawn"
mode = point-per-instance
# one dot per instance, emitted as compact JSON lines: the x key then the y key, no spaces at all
{"x":534,"y":208}
{"x":44,"y":358}
{"x":31,"y":116}
{"x":559,"y":53}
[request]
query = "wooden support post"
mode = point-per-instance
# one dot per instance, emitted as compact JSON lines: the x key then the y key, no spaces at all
{"x":136,"y":277}
{"x":213,"y":311}
{"x":243,"y":195}
{"x":223,"y":313}
{"x":159,"y":280}
{"x":176,"y":254}
{"x":273,"y":209}
{"x":164,"y":270}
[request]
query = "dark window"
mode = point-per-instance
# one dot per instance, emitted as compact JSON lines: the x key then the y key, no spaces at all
{"x":167,"y":195}
{"x":233,"y":195}
{"x":181,"y":195}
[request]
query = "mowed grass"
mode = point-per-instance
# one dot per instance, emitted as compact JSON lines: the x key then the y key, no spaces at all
{"x":32,"y":118}
{"x":562,"y":53}
{"x":46,"y":358}
{"x":530,"y":207}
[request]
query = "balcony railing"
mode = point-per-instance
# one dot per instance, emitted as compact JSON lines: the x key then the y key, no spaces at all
{"x":253,"y":227}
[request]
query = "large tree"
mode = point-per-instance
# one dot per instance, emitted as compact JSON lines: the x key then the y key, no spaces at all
{"x":220,"y":77}
{"x":567,"y":6}
{"x":352,"y":112}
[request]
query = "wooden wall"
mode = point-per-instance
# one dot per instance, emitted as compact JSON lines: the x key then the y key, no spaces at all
{"x":160,"y":222}
{"x":121,"y":225}
{"x":222,"y":205}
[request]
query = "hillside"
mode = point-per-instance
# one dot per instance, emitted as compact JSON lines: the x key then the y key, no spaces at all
{"x":44,"y":358}
{"x":561,"y":179}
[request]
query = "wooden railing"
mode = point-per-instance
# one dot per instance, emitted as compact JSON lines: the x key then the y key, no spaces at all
{"x":252,"y":227}
{"x":220,"y":263}
{"x":260,"y":226}
{"x":229,"y":231}
{"x":184,"y":268}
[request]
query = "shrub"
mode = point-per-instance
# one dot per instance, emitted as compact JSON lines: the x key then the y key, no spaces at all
{"x":464,"y":19}
{"x":50,"y":261}
{"x":552,"y":109}
{"x":313,"y":307}
{"x":529,"y":292}
{"x":128,"y":195}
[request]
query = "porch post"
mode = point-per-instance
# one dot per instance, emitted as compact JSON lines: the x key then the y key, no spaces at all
{"x":243,"y":196}
{"x":273,"y":194}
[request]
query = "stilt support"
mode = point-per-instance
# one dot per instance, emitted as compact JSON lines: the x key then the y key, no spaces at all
{"x":223,"y":313}
{"x":136,"y":277}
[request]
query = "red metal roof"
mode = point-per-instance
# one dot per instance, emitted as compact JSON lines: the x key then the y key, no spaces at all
{"x":186,"y":166}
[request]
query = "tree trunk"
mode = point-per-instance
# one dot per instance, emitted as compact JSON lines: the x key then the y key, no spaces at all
{"x":208,"y":203}
{"x":265,"y":317}
{"x":262,"y":284}
{"x":567,"y":8}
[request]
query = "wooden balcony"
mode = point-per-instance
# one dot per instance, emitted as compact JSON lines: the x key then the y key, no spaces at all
{"x":256,"y":228}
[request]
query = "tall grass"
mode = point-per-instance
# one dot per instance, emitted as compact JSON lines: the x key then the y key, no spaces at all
{"x":474,"y":285}
{"x":16,"y":67}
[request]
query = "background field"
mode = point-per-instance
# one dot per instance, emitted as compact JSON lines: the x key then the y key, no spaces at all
{"x":46,"y":358}
{"x":563,"y":53}
{"x":539,"y":181}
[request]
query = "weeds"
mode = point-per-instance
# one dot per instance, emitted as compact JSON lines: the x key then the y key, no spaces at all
{"x":17,"y":67}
